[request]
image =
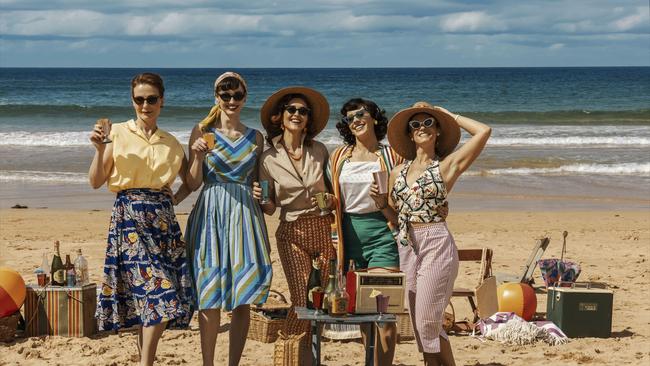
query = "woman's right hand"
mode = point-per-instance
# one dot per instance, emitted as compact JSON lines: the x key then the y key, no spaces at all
{"x":200,"y":147}
{"x":97,"y":135}
{"x":257,"y":191}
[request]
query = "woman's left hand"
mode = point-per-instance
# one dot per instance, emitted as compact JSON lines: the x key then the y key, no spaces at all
{"x":381,"y":200}
{"x":168,"y":191}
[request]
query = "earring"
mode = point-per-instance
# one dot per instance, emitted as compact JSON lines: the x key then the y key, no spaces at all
{"x":376,"y":122}
{"x":438,"y":134}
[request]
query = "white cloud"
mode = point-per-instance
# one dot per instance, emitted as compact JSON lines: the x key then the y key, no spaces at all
{"x":473,"y":21}
{"x":631,"y":21}
{"x":556,"y":46}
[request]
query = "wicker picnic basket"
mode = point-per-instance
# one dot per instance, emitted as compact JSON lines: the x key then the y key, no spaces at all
{"x":287,"y":350}
{"x":8,"y":325}
{"x":269,"y":318}
{"x":405,"y":327}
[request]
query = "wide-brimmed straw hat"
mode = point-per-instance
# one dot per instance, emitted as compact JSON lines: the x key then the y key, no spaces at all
{"x":320,"y":109}
{"x":401,"y":142}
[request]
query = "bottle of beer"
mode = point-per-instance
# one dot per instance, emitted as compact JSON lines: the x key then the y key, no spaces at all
{"x":70,"y":277}
{"x":339,"y":304}
{"x":331,"y":286}
{"x":58,"y":271}
{"x":313,"y":284}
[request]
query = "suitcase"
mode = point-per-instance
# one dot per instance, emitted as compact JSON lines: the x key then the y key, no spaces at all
{"x":62,"y":311}
{"x":582,"y":310}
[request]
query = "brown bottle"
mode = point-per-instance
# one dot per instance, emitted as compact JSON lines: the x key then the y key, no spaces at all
{"x":339,"y":302}
{"x":57,"y":269}
{"x":69,"y":272}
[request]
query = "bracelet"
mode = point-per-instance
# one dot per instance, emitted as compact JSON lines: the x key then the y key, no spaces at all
{"x":456,"y":118}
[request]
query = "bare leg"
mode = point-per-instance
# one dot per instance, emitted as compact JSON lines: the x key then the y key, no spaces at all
{"x":444,"y":358}
{"x":150,"y":337}
{"x":209,"y":321}
{"x":241,"y":319}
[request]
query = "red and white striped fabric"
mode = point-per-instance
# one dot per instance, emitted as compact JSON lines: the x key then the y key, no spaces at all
{"x":431,"y":266}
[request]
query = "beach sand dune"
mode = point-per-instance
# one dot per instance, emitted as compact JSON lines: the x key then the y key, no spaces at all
{"x":612,"y":247}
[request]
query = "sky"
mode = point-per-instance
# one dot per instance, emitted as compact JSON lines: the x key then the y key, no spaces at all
{"x":319,"y":33}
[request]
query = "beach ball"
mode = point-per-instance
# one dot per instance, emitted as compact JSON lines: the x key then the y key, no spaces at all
{"x":518,"y":298}
{"x":12,"y":291}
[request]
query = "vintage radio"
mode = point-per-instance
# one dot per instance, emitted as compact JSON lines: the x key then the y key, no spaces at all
{"x":582,"y":310}
{"x":360,"y":285}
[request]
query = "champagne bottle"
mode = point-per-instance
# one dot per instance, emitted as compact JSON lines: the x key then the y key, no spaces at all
{"x":58,"y":271}
{"x":339,"y":304}
{"x":81,"y":269}
{"x":331,"y":286}
{"x":313,"y":284}
{"x":69,"y":272}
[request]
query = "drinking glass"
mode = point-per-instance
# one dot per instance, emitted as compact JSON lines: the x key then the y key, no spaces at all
{"x":321,"y":200}
{"x":381,"y":180}
{"x":105,"y":124}
{"x":317,"y":300}
{"x":265,"y":191}
{"x":209,"y":139}
{"x":382,"y":305}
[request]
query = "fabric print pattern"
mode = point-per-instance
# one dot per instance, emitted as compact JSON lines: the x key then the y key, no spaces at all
{"x":418,"y":203}
{"x":146,"y":275}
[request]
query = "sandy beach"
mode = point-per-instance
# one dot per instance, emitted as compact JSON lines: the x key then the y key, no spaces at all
{"x":611,"y":246}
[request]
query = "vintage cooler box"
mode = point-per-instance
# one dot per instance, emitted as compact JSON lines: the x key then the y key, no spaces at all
{"x":360,"y":284}
{"x":582,"y":310}
{"x":62,"y":311}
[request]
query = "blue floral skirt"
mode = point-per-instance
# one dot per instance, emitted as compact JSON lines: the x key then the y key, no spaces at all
{"x":146,"y":274}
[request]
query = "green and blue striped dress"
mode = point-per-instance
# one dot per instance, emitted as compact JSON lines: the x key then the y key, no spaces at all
{"x":226,"y":235}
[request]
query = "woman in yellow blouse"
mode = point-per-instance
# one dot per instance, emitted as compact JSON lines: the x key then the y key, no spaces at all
{"x":146,"y":278}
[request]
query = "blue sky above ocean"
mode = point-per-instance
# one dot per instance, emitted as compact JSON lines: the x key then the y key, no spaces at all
{"x":336,"y":33}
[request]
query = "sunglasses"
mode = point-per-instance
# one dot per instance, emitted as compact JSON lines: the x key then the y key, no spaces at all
{"x":414,"y":124}
{"x":227,"y":96}
{"x":151,"y":100}
{"x":358,"y":114}
{"x":303,"y":111}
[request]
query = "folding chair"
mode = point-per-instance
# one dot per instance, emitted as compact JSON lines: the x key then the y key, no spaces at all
{"x":482,"y":298}
{"x":529,"y":267}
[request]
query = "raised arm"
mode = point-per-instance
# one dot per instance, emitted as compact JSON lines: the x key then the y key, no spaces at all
{"x":457,"y":162}
{"x":102,"y":164}
{"x":198,"y":148}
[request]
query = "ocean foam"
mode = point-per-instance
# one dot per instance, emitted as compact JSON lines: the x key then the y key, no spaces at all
{"x":573,"y":169}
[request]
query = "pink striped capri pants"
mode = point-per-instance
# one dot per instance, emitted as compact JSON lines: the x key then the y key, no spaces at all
{"x":431,"y":265}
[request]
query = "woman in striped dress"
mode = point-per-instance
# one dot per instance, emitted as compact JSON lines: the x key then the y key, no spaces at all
{"x":226,"y":234}
{"x":426,"y":137}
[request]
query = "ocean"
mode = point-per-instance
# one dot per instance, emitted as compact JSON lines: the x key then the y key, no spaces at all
{"x":579,"y":132}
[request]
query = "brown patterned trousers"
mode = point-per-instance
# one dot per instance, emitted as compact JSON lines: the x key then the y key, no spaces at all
{"x":297,"y":242}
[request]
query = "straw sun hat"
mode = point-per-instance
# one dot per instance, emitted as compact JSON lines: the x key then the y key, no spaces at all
{"x":320,"y":109}
{"x":401,"y":142}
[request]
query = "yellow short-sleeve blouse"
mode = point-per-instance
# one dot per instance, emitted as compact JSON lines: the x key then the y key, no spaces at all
{"x":141,"y":162}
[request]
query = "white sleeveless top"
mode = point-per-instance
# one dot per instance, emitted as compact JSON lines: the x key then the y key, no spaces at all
{"x":355,"y":180}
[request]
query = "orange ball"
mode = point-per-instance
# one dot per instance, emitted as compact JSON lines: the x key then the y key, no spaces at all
{"x":518,"y":298}
{"x":12,"y":291}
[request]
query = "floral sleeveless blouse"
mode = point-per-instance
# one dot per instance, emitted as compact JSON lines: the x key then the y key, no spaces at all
{"x":419,"y":202}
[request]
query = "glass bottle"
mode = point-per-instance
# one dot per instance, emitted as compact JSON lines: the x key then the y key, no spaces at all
{"x":57,"y":269}
{"x":313,"y":283}
{"x":339,"y":304}
{"x":81,"y":269}
{"x":331,"y":286}
{"x":70,"y":277}
{"x":350,"y":281}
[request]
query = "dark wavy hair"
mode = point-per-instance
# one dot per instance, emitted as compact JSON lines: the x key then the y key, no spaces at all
{"x":148,"y":78}
{"x":375,"y":112}
{"x":275,"y":128}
